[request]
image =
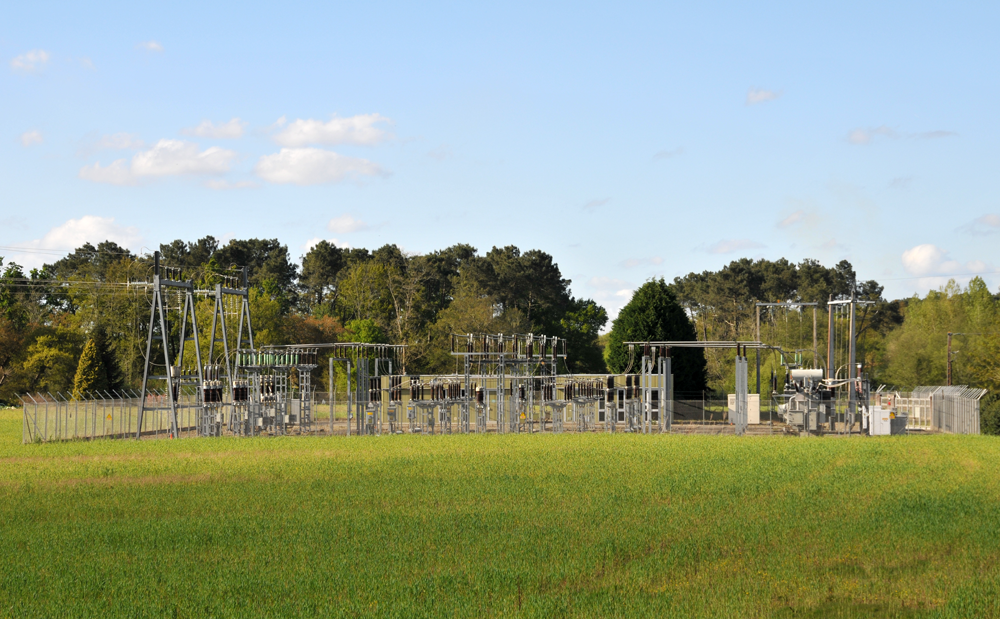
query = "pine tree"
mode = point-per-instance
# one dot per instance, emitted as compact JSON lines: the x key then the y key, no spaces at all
{"x":654,"y":314}
{"x":91,"y":374}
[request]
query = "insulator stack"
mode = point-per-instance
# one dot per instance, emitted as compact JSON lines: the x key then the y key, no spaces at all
{"x":212,"y":384}
{"x":396,"y":391}
{"x":241,"y":391}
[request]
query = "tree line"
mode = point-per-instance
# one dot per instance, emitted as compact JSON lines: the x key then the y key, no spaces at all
{"x":86,"y":306}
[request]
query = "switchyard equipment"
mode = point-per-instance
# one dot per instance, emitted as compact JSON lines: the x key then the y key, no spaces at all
{"x":811,"y":395}
{"x":586,"y":395}
{"x":883,"y":417}
{"x":517,"y":376}
{"x":433,"y":403}
{"x":741,"y":420}
{"x":201,"y":391}
{"x":506,"y":383}
{"x":231,"y":300}
{"x":373,"y":405}
{"x":629,"y":404}
{"x":657,"y":378}
{"x":275,"y":394}
{"x":855,"y":382}
{"x":165,"y":283}
{"x":809,"y":401}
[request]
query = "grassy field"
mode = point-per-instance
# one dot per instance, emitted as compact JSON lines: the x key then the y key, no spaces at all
{"x":574,"y":525}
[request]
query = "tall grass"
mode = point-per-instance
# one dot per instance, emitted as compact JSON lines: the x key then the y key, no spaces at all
{"x":543,"y":525}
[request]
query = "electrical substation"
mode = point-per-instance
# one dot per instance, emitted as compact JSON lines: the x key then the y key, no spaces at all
{"x":503,"y":384}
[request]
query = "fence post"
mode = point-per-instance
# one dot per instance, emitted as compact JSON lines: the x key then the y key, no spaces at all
{"x":330,"y":392}
{"x":26,"y":434}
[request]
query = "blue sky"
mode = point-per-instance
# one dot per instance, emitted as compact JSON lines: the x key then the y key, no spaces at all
{"x":628,"y":140}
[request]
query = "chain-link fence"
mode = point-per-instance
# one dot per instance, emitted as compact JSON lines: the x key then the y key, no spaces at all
{"x":115,"y":414}
{"x":107,"y":414}
{"x":953,"y":409}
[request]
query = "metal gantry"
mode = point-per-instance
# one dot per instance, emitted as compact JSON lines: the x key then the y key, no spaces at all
{"x":162,"y":286}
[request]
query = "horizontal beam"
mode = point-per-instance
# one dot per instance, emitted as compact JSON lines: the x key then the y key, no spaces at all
{"x":508,"y":356}
{"x":175,"y":284}
{"x":783,"y":304}
{"x":348,"y":345}
{"x":701,"y":344}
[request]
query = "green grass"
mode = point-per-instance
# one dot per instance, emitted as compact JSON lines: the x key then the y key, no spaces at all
{"x":572,"y":525}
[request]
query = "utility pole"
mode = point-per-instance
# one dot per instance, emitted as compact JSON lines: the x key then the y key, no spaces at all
{"x":852,"y":370}
{"x":831,"y":370}
{"x":757,"y":350}
{"x":815,"y":348}
{"x":952,"y":353}
{"x":853,"y":375}
{"x":949,"y":358}
{"x":789,"y":304}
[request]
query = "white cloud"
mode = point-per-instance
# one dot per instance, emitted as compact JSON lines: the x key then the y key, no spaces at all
{"x":29,"y":138}
{"x":865,"y":136}
{"x":116,"y":141}
{"x":76,"y":232}
{"x":230,"y":130}
{"x":759,"y":95}
{"x":933,"y":135}
{"x":117,"y":173}
{"x":120,"y":141}
{"x":360,"y":129}
{"x":792,"y":219}
{"x":150,"y":46}
{"x":166,"y":158}
{"x":312,"y":166}
{"x":612,"y":294}
{"x":634,"y":262}
{"x":440,"y":153}
{"x":900,"y":182}
{"x":923,"y":259}
{"x":29,"y":62}
{"x":307,"y":247}
{"x":171,"y":157}
{"x":982,"y":226}
{"x":933,"y":266}
{"x":833,"y":244}
{"x":729,"y":246}
{"x":220,"y":184}
{"x":87,"y":63}
{"x":618,"y":287}
{"x":346,"y":224}
{"x":593,"y":204}
{"x":669,"y":154}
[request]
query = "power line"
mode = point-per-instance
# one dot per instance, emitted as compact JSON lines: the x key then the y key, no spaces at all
{"x":60,"y":252}
{"x":899,"y":279}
